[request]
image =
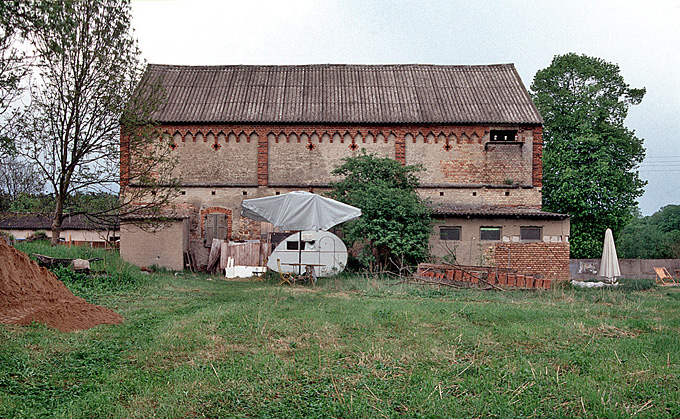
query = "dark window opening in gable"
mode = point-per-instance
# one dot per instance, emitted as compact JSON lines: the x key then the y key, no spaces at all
{"x":292,"y":245}
{"x":490,"y":233}
{"x":530,"y":233}
{"x":503,"y":135}
{"x":215,"y":228}
{"x":449,"y":233}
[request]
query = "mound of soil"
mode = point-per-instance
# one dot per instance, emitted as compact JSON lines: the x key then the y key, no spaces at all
{"x":30,"y":293}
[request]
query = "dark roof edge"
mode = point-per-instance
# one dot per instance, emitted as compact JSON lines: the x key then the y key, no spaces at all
{"x":401,"y":123}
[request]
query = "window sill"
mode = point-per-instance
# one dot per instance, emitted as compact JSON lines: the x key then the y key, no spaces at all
{"x":502,"y":143}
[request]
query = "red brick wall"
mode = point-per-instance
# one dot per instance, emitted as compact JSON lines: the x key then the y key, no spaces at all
{"x":262,"y":161}
{"x":551,"y":260}
{"x":537,"y":169}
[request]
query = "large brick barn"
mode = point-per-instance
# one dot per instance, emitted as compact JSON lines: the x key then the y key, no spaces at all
{"x":244,"y":132}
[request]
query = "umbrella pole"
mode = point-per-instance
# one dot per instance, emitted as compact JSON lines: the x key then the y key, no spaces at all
{"x":300,"y":254}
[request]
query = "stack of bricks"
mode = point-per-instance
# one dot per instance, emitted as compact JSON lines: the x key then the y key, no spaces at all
{"x":480,"y":275}
{"x":513,"y":280}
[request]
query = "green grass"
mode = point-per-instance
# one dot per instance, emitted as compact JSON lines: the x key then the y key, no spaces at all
{"x":356,"y":346}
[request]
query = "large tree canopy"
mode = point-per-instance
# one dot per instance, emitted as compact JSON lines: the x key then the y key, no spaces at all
{"x":590,"y":158}
{"x":395,"y":223}
{"x":653,"y":237}
{"x":83,"y":101}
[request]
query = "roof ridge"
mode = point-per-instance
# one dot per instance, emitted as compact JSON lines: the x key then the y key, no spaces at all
{"x":323,"y":65}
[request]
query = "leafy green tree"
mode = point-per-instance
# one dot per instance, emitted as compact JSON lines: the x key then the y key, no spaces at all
{"x":14,"y":66}
{"x":395,"y":225}
{"x":590,"y":158}
{"x":84,"y":103}
{"x":653,"y":237}
{"x":16,"y":180}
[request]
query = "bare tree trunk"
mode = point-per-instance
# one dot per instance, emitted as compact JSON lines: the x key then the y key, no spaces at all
{"x":57,"y":219}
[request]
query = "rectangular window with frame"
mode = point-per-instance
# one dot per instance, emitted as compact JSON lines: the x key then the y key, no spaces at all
{"x":490,"y":233}
{"x":449,"y":233}
{"x":530,"y":233}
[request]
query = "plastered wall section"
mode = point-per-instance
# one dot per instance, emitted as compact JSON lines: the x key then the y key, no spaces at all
{"x":482,"y":195}
{"x":163,"y":247}
{"x":222,"y":158}
{"x":310,"y":160}
{"x":470,"y":250}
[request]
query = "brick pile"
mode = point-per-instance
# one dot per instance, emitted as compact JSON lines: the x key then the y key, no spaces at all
{"x":480,"y":276}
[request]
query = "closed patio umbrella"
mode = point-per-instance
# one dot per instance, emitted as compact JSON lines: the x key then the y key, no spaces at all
{"x":609,"y":265}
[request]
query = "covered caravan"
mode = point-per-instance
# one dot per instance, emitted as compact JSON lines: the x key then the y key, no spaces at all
{"x":307,"y":213}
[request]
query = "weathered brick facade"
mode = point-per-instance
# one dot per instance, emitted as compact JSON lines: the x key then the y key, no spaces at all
{"x":278,"y":144}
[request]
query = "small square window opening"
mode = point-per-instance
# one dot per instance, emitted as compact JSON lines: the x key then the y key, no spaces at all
{"x":449,"y":233}
{"x":530,"y":233}
{"x":490,"y":233}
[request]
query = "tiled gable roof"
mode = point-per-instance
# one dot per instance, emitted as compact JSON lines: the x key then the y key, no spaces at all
{"x":330,"y":93}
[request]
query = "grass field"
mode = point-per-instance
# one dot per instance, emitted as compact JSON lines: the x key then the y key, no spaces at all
{"x":355,"y":346}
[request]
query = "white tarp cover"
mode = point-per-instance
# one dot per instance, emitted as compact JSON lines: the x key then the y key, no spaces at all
{"x":299,"y":210}
{"x":609,"y":265}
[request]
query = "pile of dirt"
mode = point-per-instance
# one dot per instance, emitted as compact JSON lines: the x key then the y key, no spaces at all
{"x":30,"y":293}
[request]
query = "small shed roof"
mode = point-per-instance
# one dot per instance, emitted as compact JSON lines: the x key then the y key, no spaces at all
{"x":29,"y":221}
{"x":349,"y":94}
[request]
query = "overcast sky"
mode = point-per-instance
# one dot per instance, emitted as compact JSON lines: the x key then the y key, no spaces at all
{"x":642,"y":37}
